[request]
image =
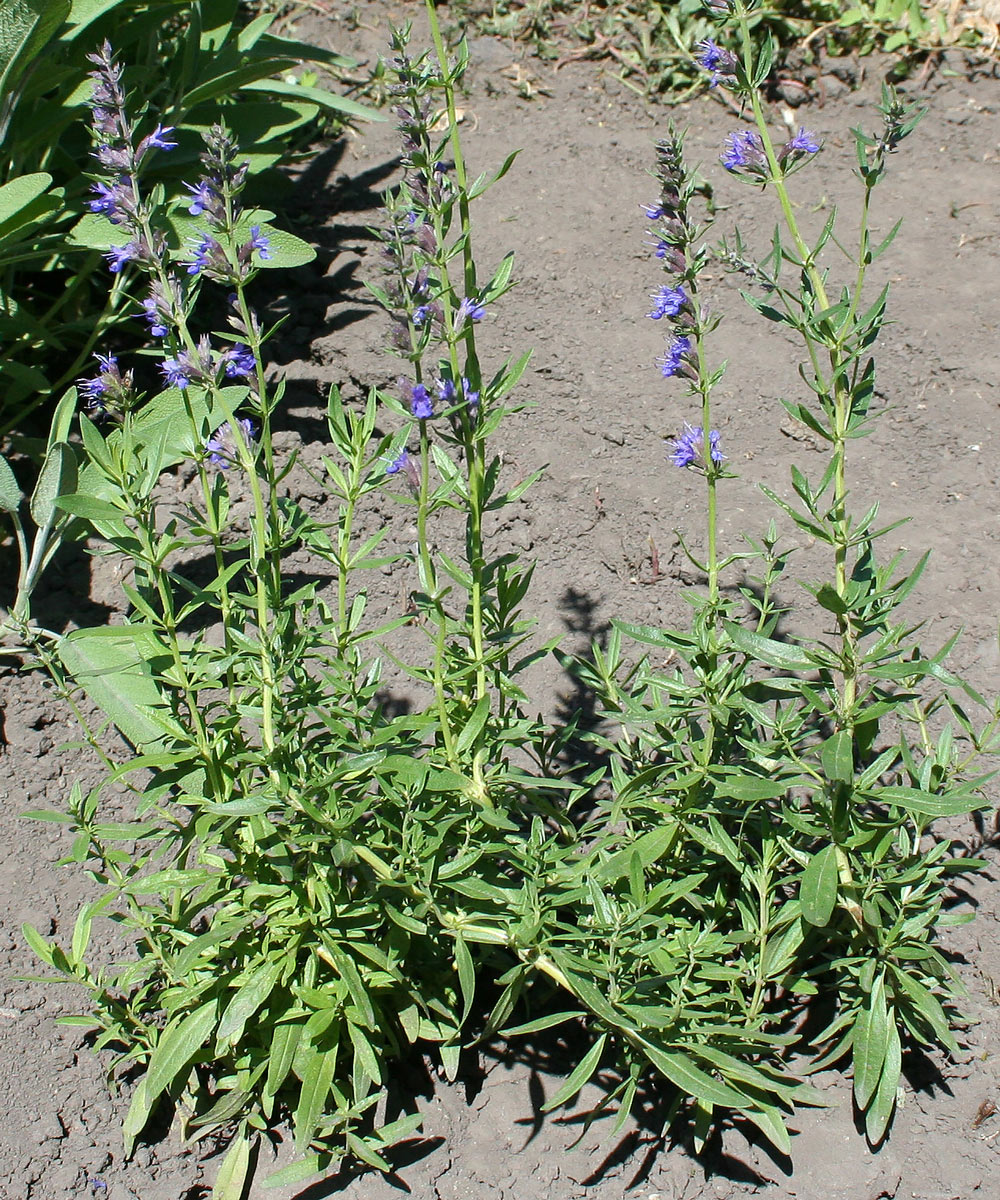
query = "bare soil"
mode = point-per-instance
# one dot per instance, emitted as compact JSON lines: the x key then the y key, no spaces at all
{"x":601,"y":525}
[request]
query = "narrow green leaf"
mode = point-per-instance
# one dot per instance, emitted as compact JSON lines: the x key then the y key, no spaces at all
{"x":837,"y":757}
{"x":91,"y":508}
{"x":328,"y":100}
{"x":466,"y":977}
{"x":818,"y":889}
{"x":684,"y":1073}
{"x":300,"y":1170}
{"x":317,"y":1076}
{"x":474,"y":725}
{"x":580,"y":1076}
{"x":767,"y":650}
{"x":37,"y":943}
{"x":180,"y":1041}
{"x":364,"y":1053}
{"x":883,"y":1103}
{"x":771,"y":1124}
{"x":247,"y":1000}
{"x":284,"y":1043}
{"x":871,"y":1041}
{"x":927,"y":804}
{"x":361,"y":1148}
{"x":231,"y":1180}
{"x":541,"y":1023}
{"x":138,"y":1114}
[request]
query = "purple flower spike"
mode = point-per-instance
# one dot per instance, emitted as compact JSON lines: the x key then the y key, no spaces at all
{"x":745,"y":152}
{"x":420,"y":402}
{"x":399,"y":463}
{"x":470,"y":309}
{"x":206,"y":252}
{"x":239,"y":362}
{"x":159,"y":138}
{"x":667,"y":302}
{"x":202,"y":197}
{"x":688,"y":449}
{"x":155,"y":318}
{"x":804,"y":141}
{"x":118,"y":256}
{"x":109,"y":393}
{"x":260,"y":242}
{"x":717,"y":61}
{"x":105,"y":201}
{"x":799,"y":147}
{"x":175,"y":373}
{"x":221,"y":447}
{"x":675,"y":359}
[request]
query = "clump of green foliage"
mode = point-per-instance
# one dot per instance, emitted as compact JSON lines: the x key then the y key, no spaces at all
{"x":196,"y":63}
{"x":652,"y":47}
{"x":314,"y":882}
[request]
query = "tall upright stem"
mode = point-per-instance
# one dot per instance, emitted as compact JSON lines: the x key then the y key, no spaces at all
{"x":474,"y":446}
{"x":837,"y":392}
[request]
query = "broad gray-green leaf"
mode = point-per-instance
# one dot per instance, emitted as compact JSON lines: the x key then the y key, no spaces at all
{"x":16,"y":196}
{"x":112,"y":665}
{"x":94,"y":231}
{"x":10,"y":493}
{"x":285,"y":249}
{"x":25,"y":28}
{"x":56,"y":478}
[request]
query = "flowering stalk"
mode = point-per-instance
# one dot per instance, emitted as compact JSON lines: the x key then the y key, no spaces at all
{"x":218,"y":255}
{"x":461,"y":328}
{"x":675,"y":240}
{"x":432,"y":311}
{"x":755,"y":156}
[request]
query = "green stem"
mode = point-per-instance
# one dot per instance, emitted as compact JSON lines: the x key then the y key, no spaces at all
{"x":839,"y":400}
{"x":475,"y":450}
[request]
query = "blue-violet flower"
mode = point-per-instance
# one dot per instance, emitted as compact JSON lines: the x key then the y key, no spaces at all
{"x":221,"y":447}
{"x":118,"y":256}
{"x":175,"y":373}
{"x":675,"y":358}
{"x":667,"y":302}
{"x":745,"y":151}
{"x":239,"y":361}
{"x":470,"y":309}
{"x":688,"y":449}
